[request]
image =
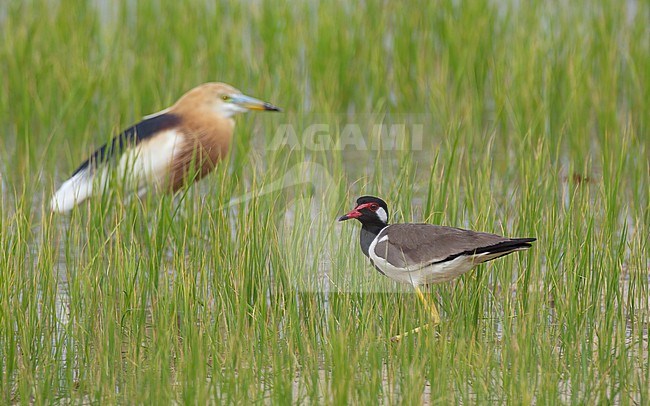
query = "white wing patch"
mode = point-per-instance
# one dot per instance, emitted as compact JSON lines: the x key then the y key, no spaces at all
{"x":146,"y":164}
{"x":74,"y":190}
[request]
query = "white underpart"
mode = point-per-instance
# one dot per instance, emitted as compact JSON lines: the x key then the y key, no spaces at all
{"x":420,"y":274}
{"x":383,"y":216}
{"x":138,"y":169}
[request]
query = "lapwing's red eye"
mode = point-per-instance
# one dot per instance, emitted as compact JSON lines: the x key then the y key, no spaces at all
{"x":374,"y":206}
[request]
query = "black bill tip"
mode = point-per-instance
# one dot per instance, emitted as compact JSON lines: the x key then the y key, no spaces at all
{"x":270,"y":107}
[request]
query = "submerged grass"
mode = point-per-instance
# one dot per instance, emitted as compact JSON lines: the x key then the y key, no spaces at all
{"x":535,"y":123}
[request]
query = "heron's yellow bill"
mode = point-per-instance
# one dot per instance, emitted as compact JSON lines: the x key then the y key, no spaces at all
{"x":252,"y":103}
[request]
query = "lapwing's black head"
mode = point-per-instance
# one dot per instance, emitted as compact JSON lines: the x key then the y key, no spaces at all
{"x":370,"y":210}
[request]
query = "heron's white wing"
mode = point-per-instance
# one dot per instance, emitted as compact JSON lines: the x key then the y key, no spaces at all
{"x":139,"y":167}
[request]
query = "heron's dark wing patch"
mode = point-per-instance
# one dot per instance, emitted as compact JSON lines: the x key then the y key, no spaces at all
{"x":409,"y":245}
{"x":133,"y":135}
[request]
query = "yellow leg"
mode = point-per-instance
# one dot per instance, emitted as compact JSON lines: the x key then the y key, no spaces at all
{"x":435,"y":317}
{"x":433,"y":311}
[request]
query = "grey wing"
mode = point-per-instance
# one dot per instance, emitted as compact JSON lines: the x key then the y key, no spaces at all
{"x":418,"y":244}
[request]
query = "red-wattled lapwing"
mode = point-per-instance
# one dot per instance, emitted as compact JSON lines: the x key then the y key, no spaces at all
{"x":165,"y":150}
{"x":421,"y":254}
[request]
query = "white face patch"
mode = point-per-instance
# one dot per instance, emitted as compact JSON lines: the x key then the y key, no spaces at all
{"x":229,"y":109}
{"x":383,"y":216}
